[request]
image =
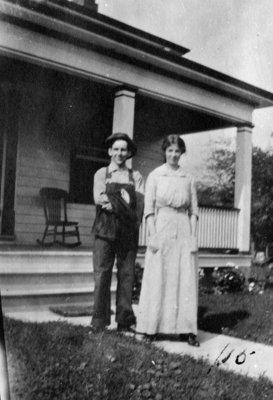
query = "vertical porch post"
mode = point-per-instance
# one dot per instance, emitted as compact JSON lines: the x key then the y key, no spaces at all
{"x":124,"y":113}
{"x":242,"y":198}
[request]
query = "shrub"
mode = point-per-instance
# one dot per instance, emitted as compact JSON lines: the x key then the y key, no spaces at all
{"x":228,"y":280}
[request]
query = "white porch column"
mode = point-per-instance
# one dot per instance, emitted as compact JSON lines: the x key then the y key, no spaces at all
{"x":124,"y":114}
{"x":242,"y":199}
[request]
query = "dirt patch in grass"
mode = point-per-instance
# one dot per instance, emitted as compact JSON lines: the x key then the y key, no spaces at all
{"x":74,"y":310}
{"x":55,"y":360}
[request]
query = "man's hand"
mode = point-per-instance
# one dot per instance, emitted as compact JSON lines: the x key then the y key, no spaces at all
{"x":105,"y":203}
{"x":107,"y":206}
{"x":104,"y":198}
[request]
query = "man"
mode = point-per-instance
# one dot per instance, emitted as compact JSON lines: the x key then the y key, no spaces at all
{"x":118,"y":194}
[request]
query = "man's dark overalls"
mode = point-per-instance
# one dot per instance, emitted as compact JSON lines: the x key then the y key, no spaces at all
{"x":116,"y":234}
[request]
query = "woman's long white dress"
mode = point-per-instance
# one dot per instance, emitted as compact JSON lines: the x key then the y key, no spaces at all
{"x":169,"y":294}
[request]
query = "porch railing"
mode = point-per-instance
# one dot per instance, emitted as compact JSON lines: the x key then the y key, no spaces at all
{"x":217,"y":228}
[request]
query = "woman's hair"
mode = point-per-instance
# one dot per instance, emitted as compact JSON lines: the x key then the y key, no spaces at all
{"x":174,"y":139}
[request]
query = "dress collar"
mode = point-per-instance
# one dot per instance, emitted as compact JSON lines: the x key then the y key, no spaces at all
{"x":166,"y":170}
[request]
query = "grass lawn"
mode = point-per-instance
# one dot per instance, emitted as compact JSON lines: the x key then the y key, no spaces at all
{"x":244,"y":315}
{"x":55,"y":360}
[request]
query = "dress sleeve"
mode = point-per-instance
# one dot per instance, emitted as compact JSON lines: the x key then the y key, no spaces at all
{"x":194,"y":204}
{"x":139,"y":187}
{"x":150,"y":195}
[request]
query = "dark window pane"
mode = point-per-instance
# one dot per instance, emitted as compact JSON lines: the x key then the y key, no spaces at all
{"x":82,"y":171}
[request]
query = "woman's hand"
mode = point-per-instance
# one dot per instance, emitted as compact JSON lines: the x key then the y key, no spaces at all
{"x":193,"y":244}
{"x":153,"y":244}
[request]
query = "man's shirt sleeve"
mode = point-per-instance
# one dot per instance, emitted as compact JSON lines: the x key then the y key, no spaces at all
{"x":139,"y":182}
{"x":99,"y":186}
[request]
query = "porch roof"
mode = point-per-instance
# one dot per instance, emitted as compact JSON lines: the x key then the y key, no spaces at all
{"x":85,"y":27}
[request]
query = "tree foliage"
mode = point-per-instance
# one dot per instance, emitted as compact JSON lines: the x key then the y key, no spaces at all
{"x":220,"y":190}
{"x":262,"y":198}
{"x":217,"y":188}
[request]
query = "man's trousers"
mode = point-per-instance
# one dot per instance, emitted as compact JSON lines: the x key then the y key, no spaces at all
{"x":104,"y":258}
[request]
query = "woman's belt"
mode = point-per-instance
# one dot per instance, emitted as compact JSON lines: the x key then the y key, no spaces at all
{"x":180,"y":210}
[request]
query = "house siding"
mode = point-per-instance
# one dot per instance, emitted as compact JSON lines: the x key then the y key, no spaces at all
{"x":43,"y":160}
{"x":148,"y":157}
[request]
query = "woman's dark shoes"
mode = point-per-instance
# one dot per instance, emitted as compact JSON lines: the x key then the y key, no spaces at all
{"x":192,"y":340}
{"x":183,"y":337}
{"x":150,"y":338}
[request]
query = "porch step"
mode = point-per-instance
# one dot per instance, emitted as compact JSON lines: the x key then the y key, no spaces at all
{"x":57,"y":276}
{"x":46,"y":277}
{"x":216,"y":260}
{"x":33,"y":260}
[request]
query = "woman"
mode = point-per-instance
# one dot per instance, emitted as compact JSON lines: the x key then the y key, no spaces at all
{"x":169,"y":294}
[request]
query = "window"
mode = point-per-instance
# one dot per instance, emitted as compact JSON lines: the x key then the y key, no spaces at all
{"x":85,"y":161}
{"x":89,"y":124}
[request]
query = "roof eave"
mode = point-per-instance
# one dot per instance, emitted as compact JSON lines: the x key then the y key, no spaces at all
{"x":133,"y":45}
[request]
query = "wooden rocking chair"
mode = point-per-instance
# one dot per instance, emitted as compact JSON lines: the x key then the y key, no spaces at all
{"x":57,"y":224}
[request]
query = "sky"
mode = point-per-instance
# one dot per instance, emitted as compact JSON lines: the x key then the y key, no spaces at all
{"x":231,"y":36}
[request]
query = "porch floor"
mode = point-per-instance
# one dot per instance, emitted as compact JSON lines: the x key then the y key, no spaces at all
{"x":205,"y":257}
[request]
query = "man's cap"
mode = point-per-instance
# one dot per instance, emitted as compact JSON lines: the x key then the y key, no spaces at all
{"x":122,"y":136}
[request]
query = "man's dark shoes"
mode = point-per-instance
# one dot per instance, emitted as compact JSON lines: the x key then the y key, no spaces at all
{"x":97,"y":329}
{"x":192,"y":340}
{"x":126,"y":328}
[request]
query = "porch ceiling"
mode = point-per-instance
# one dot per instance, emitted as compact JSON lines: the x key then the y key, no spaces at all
{"x":91,"y":99}
{"x":160,"y":118}
{"x":81,"y":108}
{"x":84,"y":28}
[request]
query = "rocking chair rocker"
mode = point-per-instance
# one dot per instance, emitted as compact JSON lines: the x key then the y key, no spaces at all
{"x":55,"y":210}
